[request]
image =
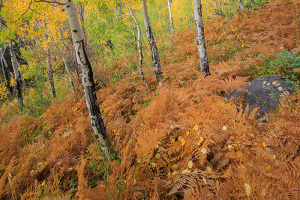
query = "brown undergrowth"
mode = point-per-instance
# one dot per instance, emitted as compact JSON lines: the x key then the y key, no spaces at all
{"x":181,"y":141}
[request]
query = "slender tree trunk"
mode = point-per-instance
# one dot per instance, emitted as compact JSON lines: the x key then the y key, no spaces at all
{"x":204,"y":66}
{"x":88,"y":83}
{"x":140,"y":48}
{"x":50,"y":73}
{"x":49,"y":66}
{"x":6,"y":74}
{"x":252,"y":3}
{"x":155,"y":56}
{"x":17,"y":75}
{"x":171,"y":17}
{"x":135,"y":39}
{"x":69,"y":74}
{"x":241,"y":4}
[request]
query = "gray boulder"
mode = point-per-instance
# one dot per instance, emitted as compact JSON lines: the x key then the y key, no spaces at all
{"x":264,"y":93}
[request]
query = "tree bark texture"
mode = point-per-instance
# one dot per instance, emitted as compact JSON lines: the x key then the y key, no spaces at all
{"x":204,"y":66}
{"x":171,"y":17}
{"x":151,"y":41}
{"x":140,"y":48}
{"x":50,"y":73}
{"x":17,"y":75}
{"x":241,"y":4}
{"x":6,"y":72}
{"x":88,"y":83}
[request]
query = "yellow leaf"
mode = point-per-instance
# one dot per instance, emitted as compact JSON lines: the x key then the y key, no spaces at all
{"x":196,"y":127}
{"x":274,"y":82}
{"x":187,"y":133}
{"x":263,"y":144}
{"x":172,"y":140}
{"x":169,"y":174}
{"x":248,"y":189}
{"x":201,"y":140}
{"x":21,"y":33}
{"x":43,"y":183}
{"x":204,"y":180}
{"x":268,"y":167}
{"x":280,"y":88}
{"x":181,"y":139}
{"x":217,"y":184}
{"x":190,"y":164}
{"x":208,"y":169}
{"x":204,"y":150}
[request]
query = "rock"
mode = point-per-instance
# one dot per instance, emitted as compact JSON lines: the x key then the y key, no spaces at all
{"x":265,"y":93}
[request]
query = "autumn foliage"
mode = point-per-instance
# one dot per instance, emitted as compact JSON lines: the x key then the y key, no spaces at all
{"x":184,"y":140}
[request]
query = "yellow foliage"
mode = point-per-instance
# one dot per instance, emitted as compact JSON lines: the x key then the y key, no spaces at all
{"x":3,"y":91}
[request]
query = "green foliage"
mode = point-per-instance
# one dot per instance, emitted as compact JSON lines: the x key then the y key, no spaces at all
{"x":36,"y":100}
{"x":74,"y":185}
{"x":284,"y":63}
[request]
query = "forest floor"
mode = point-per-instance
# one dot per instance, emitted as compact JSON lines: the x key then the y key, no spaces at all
{"x":183,"y":140}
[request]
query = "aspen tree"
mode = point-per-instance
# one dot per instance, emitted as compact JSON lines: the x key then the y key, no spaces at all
{"x":68,"y":71}
{"x":140,"y":48}
{"x":241,"y":4}
{"x":86,"y":74}
{"x":153,"y":47}
{"x":50,"y":68}
{"x":5,"y":72}
{"x":15,"y":65}
{"x":171,"y":17}
{"x":17,"y":75}
{"x":204,"y":66}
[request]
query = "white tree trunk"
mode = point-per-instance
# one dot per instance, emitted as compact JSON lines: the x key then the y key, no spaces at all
{"x":50,"y":73}
{"x":241,"y":4}
{"x":140,"y":48}
{"x":86,"y":73}
{"x":17,"y":75}
{"x":155,"y":56}
{"x":204,"y":66}
{"x":6,"y":73}
{"x":171,"y":17}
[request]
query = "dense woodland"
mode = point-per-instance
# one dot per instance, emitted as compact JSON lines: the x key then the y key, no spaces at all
{"x":128,"y":99}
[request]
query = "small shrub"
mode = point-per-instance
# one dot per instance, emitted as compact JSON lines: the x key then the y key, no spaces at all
{"x":284,"y":63}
